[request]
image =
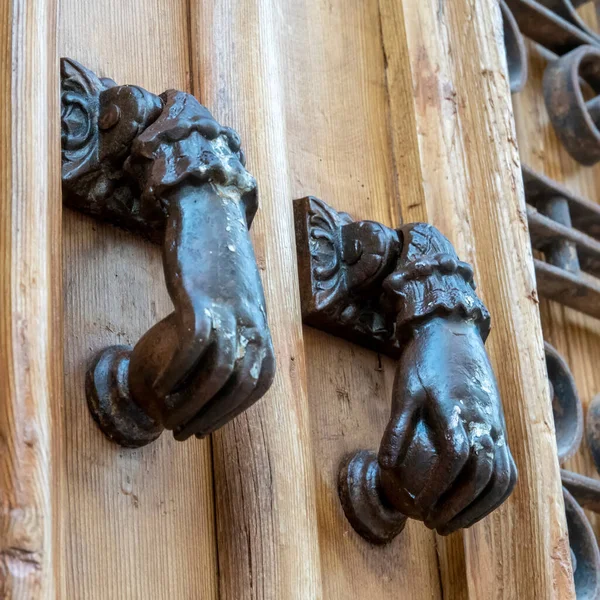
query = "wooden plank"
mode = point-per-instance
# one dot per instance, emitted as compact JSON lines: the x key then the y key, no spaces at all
{"x":264,"y":480}
{"x":408,"y":136}
{"x":575,"y":335}
{"x":138,"y":523}
{"x":30,"y":300}
{"x":339,"y":147}
{"x":465,"y":163}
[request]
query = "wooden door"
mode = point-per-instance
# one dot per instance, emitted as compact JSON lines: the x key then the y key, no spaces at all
{"x":393,"y":110}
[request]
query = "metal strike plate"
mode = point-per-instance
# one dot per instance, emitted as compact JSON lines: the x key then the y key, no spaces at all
{"x":570,"y":274}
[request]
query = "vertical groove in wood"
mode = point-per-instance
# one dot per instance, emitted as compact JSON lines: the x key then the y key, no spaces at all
{"x":469,"y":171}
{"x":137,"y":523}
{"x":265,"y":501}
{"x":339,"y":148}
{"x":30,"y":349}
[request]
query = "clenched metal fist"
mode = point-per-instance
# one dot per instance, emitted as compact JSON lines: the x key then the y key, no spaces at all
{"x":444,"y":457}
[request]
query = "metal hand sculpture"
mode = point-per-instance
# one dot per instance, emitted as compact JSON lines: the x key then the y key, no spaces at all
{"x":163,"y":167}
{"x":444,"y":457}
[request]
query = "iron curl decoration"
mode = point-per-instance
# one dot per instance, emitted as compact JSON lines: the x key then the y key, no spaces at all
{"x":572,"y":77}
{"x":579,"y":491}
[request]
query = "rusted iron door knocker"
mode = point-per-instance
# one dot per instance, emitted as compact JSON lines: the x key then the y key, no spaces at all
{"x":444,"y":458}
{"x":161,"y":166}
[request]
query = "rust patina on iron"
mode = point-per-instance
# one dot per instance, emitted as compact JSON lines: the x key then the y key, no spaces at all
{"x":579,"y":491}
{"x":554,"y":24}
{"x":567,"y":9}
{"x":444,"y":458}
{"x":566,"y":406}
{"x":593,"y":431}
{"x":566,"y":228}
{"x":572,"y":77}
{"x":516,"y":51}
{"x":161,"y":166}
{"x":573,"y":117}
{"x":585,"y":556}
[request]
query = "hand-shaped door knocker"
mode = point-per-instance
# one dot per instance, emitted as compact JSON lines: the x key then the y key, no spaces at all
{"x":163,"y":167}
{"x":444,"y":458}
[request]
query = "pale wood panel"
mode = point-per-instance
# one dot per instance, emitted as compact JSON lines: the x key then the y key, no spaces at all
{"x":409,"y":130}
{"x":575,"y":336}
{"x":264,"y":480}
{"x":339,"y":149}
{"x":138,"y":523}
{"x":466,"y":162}
{"x":30,"y":300}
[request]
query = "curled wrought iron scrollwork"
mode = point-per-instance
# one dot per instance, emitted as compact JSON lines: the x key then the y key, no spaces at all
{"x":516,"y":51}
{"x":579,"y":491}
{"x":575,"y":118}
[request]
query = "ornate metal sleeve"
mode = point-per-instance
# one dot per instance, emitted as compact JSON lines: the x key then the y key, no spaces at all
{"x":444,"y":457}
{"x":161,"y":166}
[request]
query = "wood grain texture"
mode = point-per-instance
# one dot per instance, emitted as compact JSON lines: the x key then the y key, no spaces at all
{"x":391,"y":111}
{"x":574,"y":335}
{"x":30,"y":302}
{"x":137,"y":523}
{"x":264,"y":481}
{"x":461,"y":173}
{"x":339,"y":149}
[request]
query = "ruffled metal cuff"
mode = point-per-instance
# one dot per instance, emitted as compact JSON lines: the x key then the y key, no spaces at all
{"x":430,"y":279}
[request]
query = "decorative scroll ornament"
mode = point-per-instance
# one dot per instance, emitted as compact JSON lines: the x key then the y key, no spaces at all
{"x":567,"y":81}
{"x":579,"y":491}
{"x":345,"y":258}
{"x":161,"y":166}
{"x":516,"y":50}
{"x":554,"y":24}
{"x":444,"y":457}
